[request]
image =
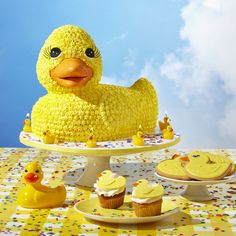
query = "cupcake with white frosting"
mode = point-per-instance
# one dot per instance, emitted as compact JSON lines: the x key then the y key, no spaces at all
{"x":147,"y":198}
{"x":110,"y":189}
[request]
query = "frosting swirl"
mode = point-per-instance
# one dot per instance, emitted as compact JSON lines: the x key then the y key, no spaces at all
{"x":107,"y":193}
{"x":109,"y":184}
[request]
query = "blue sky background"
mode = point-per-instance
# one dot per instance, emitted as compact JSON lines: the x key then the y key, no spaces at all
{"x":134,"y":37}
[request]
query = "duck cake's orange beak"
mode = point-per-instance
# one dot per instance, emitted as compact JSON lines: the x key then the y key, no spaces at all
{"x":135,"y":184}
{"x":72,"y":72}
{"x":31,"y":178}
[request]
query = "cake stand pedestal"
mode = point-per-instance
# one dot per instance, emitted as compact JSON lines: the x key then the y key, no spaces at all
{"x":94,"y":166}
{"x":197,"y":193}
{"x":196,"y":190}
{"x":98,"y":158}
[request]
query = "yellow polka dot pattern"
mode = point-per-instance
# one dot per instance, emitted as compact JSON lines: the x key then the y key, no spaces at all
{"x":68,"y":113}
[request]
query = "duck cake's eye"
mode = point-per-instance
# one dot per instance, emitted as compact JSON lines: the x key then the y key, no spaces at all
{"x":26,"y":170}
{"x":37,"y":171}
{"x":89,"y":52}
{"x":55,"y":52}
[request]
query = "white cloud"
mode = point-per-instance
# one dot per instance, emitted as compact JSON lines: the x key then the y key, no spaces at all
{"x":117,"y":38}
{"x":206,"y":68}
{"x":114,"y":80}
{"x":130,"y":59}
{"x":203,"y":72}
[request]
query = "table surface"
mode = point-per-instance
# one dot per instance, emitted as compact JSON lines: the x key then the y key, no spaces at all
{"x":216,"y":217}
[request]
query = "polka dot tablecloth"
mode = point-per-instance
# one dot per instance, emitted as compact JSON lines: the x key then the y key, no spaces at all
{"x":216,"y":217}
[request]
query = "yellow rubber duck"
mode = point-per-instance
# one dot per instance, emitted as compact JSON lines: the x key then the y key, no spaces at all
{"x":168,"y":133}
{"x":138,"y":139}
{"x":145,"y":190}
{"x":108,"y":180}
{"x":36,"y":195}
{"x":91,"y":143}
{"x":69,"y":66}
{"x":48,"y":138}
{"x":27,"y":124}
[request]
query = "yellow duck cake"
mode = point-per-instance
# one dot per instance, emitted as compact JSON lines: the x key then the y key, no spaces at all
{"x":69,"y":66}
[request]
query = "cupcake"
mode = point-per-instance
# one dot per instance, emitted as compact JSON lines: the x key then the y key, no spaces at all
{"x":110,"y":189}
{"x":147,"y":198}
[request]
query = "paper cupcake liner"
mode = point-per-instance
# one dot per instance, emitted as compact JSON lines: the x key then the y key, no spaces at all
{"x":112,"y":202}
{"x":149,"y":209}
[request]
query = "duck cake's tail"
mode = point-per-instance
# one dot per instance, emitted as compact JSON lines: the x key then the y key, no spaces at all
{"x":149,"y":102}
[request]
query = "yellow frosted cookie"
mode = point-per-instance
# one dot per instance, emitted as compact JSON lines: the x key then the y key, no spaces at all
{"x":198,"y":156}
{"x":172,"y":169}
{"x":223,"y":159}
{"x":205,"y":171}
{"x":232,"y":170}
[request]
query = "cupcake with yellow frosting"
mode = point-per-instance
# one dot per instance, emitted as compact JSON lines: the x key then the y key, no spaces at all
{"x":147,"y":198}
{"x":110,"y":189}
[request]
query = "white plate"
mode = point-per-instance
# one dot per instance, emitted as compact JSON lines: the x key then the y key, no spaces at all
{"x":91,"y":209}
{"x":226,"y":179}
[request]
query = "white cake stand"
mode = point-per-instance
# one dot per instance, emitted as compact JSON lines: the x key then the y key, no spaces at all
{"x":196,"y":190}
{"x":99,"y":157}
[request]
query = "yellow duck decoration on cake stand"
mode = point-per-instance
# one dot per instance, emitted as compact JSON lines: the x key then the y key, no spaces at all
{"x":48,"y":138}
{"x":108,"y":180}
{"x":27,"y":124}
{"x":91,"y":143}
{"x":138,"y":139}
{"x":145,"y":190}
{"x":168,"y":133}
{"x":36,"y":195}
{"x":69,"y":66}
{"x":166,"y":122}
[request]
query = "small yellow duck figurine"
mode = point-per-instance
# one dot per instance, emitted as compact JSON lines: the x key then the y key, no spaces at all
{"x":138,"y":139}
{"x":48,"y":138}
{"x":146,"y":190}
{"x":36,"y":195}
{"x":108,"y":180}
{"x":69,"y":66}
{"x":168,"y":133}
{"x":91,"y":143}
{"x":163,"y":125}
{"x":27,"y":124}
